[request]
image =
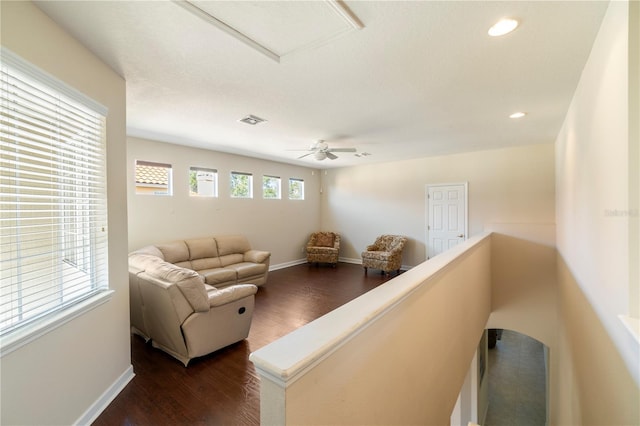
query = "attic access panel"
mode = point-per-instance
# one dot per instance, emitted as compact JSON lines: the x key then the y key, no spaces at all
{"x":284,"y":27}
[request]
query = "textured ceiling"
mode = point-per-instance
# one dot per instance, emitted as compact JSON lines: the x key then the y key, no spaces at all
{"x":420,"y":79}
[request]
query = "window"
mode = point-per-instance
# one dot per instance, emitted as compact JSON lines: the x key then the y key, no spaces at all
{"x":271,"y":187}
{"x":241,"y":185}
{"x":203,"y":182}
{"x":153,"y":178}
{"x":296,"y":189}
{"x":53,"y":215}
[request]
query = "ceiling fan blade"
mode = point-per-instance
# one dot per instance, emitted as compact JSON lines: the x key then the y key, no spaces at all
{"x":341,"y":150}
{"x":331,"y":156}
{"x":304,"y":155}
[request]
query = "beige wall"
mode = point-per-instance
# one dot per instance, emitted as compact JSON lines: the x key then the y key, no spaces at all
{"x":523,"y":280}
{"x":512,"y":185}
{"x":591,"y":384}
{"x":598,"y":367}
{"x":61,"y":377}
{"x":280,"y":226}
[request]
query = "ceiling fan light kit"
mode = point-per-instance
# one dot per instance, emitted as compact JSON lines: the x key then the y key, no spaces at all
{"x":320,"y":155}
{"x":320,"y":151}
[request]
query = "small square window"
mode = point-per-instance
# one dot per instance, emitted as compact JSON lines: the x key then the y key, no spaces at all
{"x":153,"y":178}
{"x":271,"y":187}
{"x":241,"y":185}
{"x":296,"y":189}
{"x":203,"y":182}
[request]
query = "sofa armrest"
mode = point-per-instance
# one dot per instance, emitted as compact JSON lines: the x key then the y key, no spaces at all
{"x":230,"y":294}
{"x":256,"y":256}
{"x":372,"y":247}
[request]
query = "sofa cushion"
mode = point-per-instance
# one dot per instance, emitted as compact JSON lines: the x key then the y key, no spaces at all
{"x":139,"y":261}
{"x":377,"y":255}
{"x":231,"y":259}
{"x":247,"y":269}
{"x":230,"y":294}
{"x":324,"y":239}
{"x":206,"y":263}
{"x":230,"y":244}
{"x":174,"y":252}
{"x":202,"y":248}
{"x":185,"y":264}
{"x":219,"y":275}
{"x":194,"y":291}
{"x":321,"y":250}
{"x":187,"y":280}
{"x":150,"y":250}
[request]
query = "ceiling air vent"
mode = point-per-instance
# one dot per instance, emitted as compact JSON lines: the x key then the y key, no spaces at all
{"x":252,"y":119}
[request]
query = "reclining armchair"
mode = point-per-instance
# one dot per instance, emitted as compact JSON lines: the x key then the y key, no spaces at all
{"x":182,"y":315}
{"x":323,"y":247}
{"x":385,"y":254}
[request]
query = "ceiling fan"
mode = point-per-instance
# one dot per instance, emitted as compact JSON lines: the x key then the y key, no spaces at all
{"x":320,"y":150}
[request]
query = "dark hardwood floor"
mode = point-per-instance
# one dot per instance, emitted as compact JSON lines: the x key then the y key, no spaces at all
{"x":222,"y":388}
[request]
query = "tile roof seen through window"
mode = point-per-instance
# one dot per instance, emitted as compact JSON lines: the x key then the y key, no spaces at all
{"x":154,"y":175}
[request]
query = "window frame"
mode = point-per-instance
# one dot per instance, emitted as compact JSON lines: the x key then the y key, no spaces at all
{"x":151,"y":188}
{"x":196,"y":169}
{"x":278,"y":189}
{"x":299,"y":181}
{"x":249,"y":184}
{"x":64,"y":171}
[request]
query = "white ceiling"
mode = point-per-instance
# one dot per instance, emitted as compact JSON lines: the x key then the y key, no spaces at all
{"x":421,"y":78}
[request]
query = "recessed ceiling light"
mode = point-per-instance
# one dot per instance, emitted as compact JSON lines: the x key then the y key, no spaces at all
{"x":502,"y":27}
{"x":518,"y":114}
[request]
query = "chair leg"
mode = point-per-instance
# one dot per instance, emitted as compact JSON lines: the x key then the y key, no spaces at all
{"x":365,"y":270}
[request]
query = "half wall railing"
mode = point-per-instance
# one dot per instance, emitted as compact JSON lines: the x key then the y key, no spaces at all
{"x":398,"y":354}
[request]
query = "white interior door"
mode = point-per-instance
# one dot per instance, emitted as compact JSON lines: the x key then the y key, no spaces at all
{"x":446,"y":217}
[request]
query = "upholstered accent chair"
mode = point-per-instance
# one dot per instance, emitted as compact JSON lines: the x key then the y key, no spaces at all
{"x":385,"y":254}
{"x":323,"y":247}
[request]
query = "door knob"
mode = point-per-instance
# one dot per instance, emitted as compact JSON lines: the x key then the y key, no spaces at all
{"x":461,"y":236}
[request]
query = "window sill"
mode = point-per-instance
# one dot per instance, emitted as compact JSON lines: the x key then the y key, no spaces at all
{"x":632,"y":325}
{"x":33,"y":331}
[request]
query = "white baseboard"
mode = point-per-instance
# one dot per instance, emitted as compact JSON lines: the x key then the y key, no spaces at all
{"x":287,"y":264}
{"x":105,"y":399}
{"x":357,"y":261}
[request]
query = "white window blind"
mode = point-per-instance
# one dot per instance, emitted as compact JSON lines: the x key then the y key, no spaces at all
{"x":53,"y":236}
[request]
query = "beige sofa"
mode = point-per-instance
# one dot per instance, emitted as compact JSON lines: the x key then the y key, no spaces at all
{"x":196,"y":296}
